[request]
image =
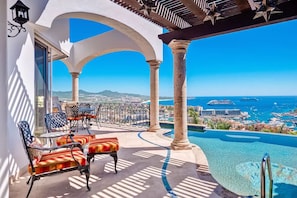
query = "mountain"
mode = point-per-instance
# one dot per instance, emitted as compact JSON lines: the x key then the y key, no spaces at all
{"x":103,"y":96}
{"x":109,"y":93}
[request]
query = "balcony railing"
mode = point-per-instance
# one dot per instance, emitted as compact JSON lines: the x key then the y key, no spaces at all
{"x":133,"y":114}
{"x":130,"y":114}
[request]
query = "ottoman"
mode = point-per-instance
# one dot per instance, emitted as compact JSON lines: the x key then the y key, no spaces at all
{"x":103,"y":146}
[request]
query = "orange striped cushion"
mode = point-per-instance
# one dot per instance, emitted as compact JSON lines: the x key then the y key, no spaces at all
{"x":82,"y":139}
{"x":102,"y":145}
{"x":74,"y":118}
{"x":91,"y":116}
{"x":58,"y":160}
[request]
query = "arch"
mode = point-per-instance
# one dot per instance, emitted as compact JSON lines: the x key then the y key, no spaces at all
{"x":128,"y":34}
{"x":109,"y":42}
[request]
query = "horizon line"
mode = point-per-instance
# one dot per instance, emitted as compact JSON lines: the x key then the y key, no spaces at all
{"x":187,"y":96}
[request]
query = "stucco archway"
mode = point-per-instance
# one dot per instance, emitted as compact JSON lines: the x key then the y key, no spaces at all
{"x":131,"y":32}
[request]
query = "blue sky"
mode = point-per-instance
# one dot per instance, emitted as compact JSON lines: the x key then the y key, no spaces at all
{"x":254,"y":62}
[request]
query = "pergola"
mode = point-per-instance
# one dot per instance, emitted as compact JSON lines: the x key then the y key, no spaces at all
{"x":188,"y":20}
{"x":195,"y":19}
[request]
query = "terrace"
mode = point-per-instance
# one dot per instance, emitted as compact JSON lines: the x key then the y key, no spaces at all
{"x":26,"y":61}
{"x":146,"y":167}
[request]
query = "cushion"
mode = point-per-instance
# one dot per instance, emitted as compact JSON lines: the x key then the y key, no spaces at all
{"x":55,"y":109}
{"x":103,"y":145}
{"x":91,"y":116}
{"x":82,"y":139}
{"x":55,"y":161}
{"x":34,"y":153}
{"x":70,"y":118}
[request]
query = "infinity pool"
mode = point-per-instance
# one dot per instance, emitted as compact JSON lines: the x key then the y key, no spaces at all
{"x":234,"y":160}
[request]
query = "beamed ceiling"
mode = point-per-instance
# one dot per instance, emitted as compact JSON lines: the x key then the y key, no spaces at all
{"x":195,"y":19}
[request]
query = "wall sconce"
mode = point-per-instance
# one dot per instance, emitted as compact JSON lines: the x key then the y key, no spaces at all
{"x":20,"y":15}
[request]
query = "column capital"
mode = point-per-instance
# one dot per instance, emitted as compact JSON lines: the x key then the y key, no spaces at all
{"x":179,"y":46}
{"x":154,"y":63}
{"x":74,"y":74}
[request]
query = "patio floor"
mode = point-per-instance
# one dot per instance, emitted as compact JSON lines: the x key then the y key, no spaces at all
{"x":146,"y":168}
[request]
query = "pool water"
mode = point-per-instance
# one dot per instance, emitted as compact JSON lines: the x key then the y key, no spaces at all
{"x":234,"y":159}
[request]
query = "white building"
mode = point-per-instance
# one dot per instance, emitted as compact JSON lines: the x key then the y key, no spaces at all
{"x":25,"y":60}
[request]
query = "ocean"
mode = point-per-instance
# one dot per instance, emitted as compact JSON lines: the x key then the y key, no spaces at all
{"x":259,"y":108}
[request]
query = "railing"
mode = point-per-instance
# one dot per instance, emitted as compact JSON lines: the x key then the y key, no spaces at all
{"x":131,"y":114}
{"x":266,"y":161}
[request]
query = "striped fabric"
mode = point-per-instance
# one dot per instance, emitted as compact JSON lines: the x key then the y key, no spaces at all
{"x":56,"y":161}
{"x":82,"y":139}
{"x":70,"y":118}
{"x":90,"y":116}
{"x":103,"y":145}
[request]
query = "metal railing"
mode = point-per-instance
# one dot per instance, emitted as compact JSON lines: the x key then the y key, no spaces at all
{"x":266,"y":161}
{"x":132,"y":114}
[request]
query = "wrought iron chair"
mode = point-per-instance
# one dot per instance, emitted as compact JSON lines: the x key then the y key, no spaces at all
{"x":59,"y":159}
{"x":73,"y":115}
{"x":95,"y":116}
{"x":57,"y":122}
{"x":86,"y":111}
{"x":94,"y":146}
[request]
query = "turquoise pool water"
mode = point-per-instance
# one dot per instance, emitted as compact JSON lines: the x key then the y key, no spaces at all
{"x":235,"y":157}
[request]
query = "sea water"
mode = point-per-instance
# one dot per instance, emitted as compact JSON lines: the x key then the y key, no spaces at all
{"x":259,"y":108}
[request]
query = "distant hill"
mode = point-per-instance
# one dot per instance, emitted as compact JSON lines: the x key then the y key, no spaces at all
{"x":106,"y":95}
{"x":109,"y":93}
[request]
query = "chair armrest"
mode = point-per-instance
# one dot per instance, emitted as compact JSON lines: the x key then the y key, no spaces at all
{"x":69,"y":145}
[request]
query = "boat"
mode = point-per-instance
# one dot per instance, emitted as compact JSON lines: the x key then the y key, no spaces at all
{"x":221,"y":102}
{"x":249,"y":99}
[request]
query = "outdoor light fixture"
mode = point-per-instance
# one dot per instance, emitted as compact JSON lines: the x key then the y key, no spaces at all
{"x":20,"y":15}
{"x":147,"y":6}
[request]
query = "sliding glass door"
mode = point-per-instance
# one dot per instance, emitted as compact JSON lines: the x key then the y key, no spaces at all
{"x":42,"y":85}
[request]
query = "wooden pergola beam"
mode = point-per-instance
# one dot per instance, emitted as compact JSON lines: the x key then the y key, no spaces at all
{"x":232,"y":24}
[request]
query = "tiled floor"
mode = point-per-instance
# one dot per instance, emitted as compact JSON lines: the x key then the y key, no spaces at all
{"x":146,"y":168}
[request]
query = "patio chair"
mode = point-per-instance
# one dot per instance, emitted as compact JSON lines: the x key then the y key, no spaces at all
{"x":52,"y":160}
{"x":86,"y":111}
{"x":92,"y":145}
{"x":95,"y":116}
{"x":73,"y":116}
{"x":57,"y":122}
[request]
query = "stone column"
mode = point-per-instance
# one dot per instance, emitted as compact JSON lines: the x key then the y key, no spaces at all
{"x":180,"y":142}
{"x":75,"y":86}
{"x":154,"y":95}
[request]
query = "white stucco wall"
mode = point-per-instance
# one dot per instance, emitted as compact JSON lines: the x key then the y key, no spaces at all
{"x":142,"y":32}
{"x":20,"y":89}
{"x":57,"y":35}
{"x":4,"y":187}
{"x":109,"y":42}
{"x":17,"y":69}
{"x":20,"y":77}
